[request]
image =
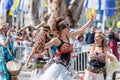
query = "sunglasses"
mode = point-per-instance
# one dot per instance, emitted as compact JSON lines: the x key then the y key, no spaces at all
{"x":46,"y":30}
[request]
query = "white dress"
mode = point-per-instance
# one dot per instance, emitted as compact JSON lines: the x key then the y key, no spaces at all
{"x":36,"y":74}
{"x":56,"y":72}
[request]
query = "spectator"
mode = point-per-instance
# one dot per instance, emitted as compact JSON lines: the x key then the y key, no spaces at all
{"x":118,"y":37}
{"x":113,"y":44}
{"x":90,"y":36}
{"x":80,"y":41}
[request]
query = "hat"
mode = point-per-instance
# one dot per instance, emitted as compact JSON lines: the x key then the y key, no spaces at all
{"x":100,"y":34}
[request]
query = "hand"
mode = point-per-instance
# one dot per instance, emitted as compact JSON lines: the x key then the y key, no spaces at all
{"x":110,"y":57}
{"x":93,"y":17}
{"x":25,"y":67}
{"x":52,"y":60}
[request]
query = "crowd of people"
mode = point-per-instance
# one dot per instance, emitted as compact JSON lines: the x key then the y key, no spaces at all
{"x":50,"y":48}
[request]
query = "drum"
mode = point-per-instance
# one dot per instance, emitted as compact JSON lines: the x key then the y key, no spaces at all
{"x":13,"y":67}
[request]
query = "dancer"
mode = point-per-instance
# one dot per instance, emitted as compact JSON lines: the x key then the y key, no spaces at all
{"x":60,"y":69}
{"x":5,"y":55}
{"x":38,"y":53}
{"x":99,"y":54}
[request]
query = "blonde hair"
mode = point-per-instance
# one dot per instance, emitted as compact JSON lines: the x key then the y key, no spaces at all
{"x":104,"y":42}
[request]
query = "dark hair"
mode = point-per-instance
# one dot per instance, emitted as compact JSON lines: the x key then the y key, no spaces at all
{"x":111,"y":36}
{"x":58,"y":24}
{"x":62,"y":25}
{"x":46,"y":17}
{"x":46,"y":27}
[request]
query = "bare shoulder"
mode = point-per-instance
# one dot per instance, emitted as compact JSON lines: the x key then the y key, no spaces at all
{"x":56,"y":40}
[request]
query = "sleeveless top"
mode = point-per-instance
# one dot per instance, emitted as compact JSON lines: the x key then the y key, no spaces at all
{"x":63,"y":59}
{"x":97,"y":61}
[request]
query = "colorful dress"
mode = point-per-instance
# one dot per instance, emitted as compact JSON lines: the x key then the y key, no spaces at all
{"x":96,"y":67}
{"x":4,"y":58}
{"x":59,"y":70}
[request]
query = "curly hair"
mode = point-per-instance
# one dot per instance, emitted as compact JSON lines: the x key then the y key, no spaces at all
{"x":54,"y":27}
{"x":40,"y":40}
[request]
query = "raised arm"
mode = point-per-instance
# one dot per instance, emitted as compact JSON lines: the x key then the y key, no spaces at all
{"x":78,"y":32}
{"x":23,"y":28}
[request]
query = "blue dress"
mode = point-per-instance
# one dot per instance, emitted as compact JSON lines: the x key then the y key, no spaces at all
{"x":4,"y":58}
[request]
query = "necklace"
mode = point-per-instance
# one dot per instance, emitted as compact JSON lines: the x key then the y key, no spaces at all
{"x":98,"y":45}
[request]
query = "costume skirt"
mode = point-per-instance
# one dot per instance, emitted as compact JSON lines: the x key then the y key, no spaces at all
{"x":56,"y":72}
{"x":93,"y":76}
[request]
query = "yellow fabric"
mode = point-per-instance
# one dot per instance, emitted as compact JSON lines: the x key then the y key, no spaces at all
{"x":15,"y":5}
{"x":45,"y":3}
{"x":113,"y":65}
{"x":118,"y":24}
{"x":90,"y":12}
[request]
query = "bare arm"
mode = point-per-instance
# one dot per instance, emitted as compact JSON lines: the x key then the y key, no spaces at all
{"x":73,"y":34}
{"x":39,"y":25}
{"x":54,"y":41}
{"x":23,"y":28}
{"x":28,"y":60}
{"x":19,"y":38}
{"x":50,"y":53}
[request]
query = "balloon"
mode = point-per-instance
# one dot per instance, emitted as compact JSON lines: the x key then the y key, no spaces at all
{"x":118,"y":24}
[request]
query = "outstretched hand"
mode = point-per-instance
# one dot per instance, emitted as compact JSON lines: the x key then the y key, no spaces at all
{"x":93,"y":17}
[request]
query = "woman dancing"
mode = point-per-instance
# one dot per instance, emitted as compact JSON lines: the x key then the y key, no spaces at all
{"x":38,"y":53}
{"x":98,"y":56}
{"x":59,"y":70}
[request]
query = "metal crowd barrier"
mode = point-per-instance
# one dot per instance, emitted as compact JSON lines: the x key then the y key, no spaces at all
{"x":19,"y":51}
{"x":79,"y":59}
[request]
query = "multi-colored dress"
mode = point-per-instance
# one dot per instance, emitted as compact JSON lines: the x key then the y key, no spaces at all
{"x":96,"y":67}
{"x":58,"y":70}
{"x":4,"y":58}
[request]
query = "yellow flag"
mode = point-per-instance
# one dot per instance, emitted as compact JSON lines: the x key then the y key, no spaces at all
{"x":45,"y":3}
{"x":14,"y":6}
{"x":90,"y":12}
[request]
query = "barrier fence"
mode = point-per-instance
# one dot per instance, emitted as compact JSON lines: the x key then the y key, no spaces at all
{"x":78,"y":57}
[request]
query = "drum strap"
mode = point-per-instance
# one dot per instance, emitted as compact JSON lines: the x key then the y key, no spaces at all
{"x":9,"y":51}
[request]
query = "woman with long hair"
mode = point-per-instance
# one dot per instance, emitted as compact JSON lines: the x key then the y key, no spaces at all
{"x":5,"y":55}
{"x":98,"y":56}
{"x":38,"y":53}
{"x":60,"y":69}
